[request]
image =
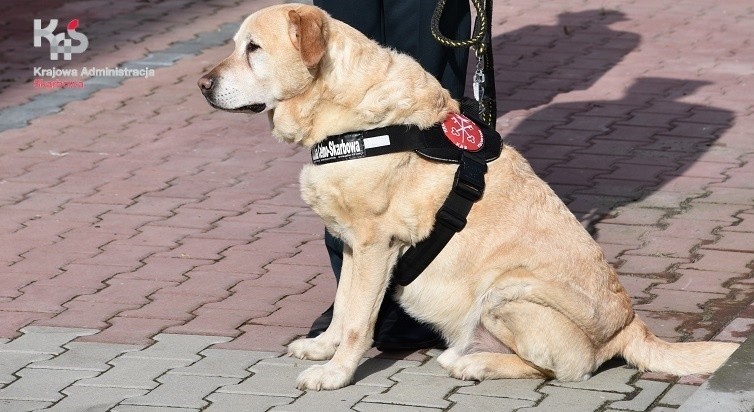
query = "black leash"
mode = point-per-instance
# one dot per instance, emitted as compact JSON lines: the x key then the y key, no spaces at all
{"x":481,"y":41}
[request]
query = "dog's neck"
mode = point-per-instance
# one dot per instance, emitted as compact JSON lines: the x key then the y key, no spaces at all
{"x":360,"y":86}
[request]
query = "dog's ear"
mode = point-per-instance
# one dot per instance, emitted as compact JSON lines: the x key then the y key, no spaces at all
{"x":307,"y":32}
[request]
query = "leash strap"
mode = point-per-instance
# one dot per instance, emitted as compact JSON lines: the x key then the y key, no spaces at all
{"x":468,"y":187}
{"x":481,"y":42}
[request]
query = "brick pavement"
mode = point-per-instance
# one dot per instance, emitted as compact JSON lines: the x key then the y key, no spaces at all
{"x":154,"y":253}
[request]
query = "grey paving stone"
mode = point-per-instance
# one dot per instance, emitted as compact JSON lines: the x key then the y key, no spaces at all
{"x":177,"y":347}
{"x":215,"y":38}
{"x":189,"y":47}
{"x":377,"y":372}
{"x":332,"y":401}
{"x":83,"y":398}
{"x":506,"y":388}
{"x":650,"y":391}
{"x":275,"y":379}
{"x":85,"y":356}
{"x":44,"y":339}
{"x":678,"y":394}
{"x":42,"y":384}
{"x":730,"y":388}
{"x":137,"y":408}
{"x":19,"y":116}
{"x":224,"y":362}
{"x":371,"y":371}
{"x":613,"y":380}
{"x":64,"y":96}
{"x":383,"y":407}
{"x":290,"y":361}
{"x":418,"y":390}
{"x":183,"y":391}
{"x":40,"y":107}
{"x":22,"y":406}
{"x":237,"y":402}
{"x":567,"y":399}
{"x":430,"y":366}
{"x":159,"y":59}
{"x":98,"y":83}
{"x":57,"y":99}
{"x":714,"y":401}
{"x":476,"y":403}
{"x":134,"y":373}
{"x":11,"y":362}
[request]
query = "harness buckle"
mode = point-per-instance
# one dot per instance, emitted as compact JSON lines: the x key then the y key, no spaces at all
{"x":469,"y":180}
{"x":452,"y":220}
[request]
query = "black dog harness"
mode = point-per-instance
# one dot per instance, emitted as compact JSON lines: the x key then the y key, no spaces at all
{"x":462,"y":139}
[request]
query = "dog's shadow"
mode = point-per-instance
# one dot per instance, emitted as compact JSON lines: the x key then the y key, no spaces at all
{"x":598,"y":155}
{"x":386,"y":364}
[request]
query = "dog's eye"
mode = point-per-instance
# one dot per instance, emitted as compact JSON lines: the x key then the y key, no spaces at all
{"x":251,"y":47}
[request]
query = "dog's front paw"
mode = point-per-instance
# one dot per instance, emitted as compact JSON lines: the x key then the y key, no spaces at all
{"x":312,"y":348}
{"x":327,"y":376}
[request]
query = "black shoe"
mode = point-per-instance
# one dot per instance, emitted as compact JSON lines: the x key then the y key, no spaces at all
{"x":395,"y":329}
{"x":319,"y":326}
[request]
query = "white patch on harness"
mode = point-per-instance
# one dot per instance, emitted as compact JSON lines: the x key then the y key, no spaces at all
{"x":377,"y":141}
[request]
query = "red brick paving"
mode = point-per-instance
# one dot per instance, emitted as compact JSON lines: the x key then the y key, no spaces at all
{"x":141,"y":210}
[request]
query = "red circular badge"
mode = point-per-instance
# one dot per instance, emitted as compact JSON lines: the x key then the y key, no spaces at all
{"x":463,"y":132}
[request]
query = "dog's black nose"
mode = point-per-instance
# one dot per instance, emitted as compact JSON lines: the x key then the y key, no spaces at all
{"x":205,"y":83}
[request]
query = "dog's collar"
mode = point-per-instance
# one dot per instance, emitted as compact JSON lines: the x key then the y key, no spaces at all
{"x":366,"y":143}
{"x":444,"y":141}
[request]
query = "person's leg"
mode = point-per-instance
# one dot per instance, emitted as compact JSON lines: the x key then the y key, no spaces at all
{"x":395,"y":329}
{"x":407,"y":28}
{"x":404,"y":25}
{"x":363,"y":15}
{"x":334,"y":248}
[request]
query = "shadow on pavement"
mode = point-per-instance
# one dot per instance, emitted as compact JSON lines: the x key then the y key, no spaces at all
{"x":600,"y":154}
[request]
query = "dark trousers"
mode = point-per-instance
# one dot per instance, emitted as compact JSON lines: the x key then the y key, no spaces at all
{"x":405,"y":26}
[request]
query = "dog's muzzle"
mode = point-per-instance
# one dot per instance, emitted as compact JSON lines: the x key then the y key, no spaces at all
{"x":207,"y":83}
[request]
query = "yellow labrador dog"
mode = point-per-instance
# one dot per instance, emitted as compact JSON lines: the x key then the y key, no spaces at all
{"x":522,"y":292}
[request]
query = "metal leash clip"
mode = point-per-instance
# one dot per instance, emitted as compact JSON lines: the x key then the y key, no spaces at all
{"x":479,"y":79}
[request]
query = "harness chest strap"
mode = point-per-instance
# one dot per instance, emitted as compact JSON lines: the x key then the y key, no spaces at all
{"x":468,"y":187}
{"x":468,"y":183}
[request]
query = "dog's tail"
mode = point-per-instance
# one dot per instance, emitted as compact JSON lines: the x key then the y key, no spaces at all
{"x":646,"y":351}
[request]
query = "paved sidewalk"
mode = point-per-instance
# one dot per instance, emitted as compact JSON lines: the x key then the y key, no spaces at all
{"x":155,"y":254}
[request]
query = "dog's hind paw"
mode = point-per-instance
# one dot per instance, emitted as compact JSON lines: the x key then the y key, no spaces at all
{"x":312,"y":348}
{"x":449,"y":357}
{"x":465,"y":368}
{"x":327,"y":376}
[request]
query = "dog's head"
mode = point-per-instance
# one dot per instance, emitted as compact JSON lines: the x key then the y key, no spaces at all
{"x":276,"y":57}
